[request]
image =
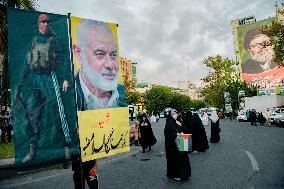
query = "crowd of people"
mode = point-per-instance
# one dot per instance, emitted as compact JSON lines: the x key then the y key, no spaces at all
{"x":178,"y":163}
{"x":254,"y":117}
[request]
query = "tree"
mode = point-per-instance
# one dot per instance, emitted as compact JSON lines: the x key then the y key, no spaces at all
{"x":180,"y":102}
{"x":197,"y":104}
{"x":234,"y":87}
{"x":158,"y":98}
{"x":221,"y":73}
{"x":23,"y":4}
{"x":276,"y":32}
{"x":128,"y":84}
{"x":133,"y":97}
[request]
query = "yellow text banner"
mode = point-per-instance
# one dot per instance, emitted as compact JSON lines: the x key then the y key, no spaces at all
{"x":103,"y":132}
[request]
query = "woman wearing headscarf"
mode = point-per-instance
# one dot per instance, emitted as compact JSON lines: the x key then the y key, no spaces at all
{"x":215,"y":129}
{"x":199,"y":137}
{"x":147,"y":137}
{"x":178,"y":165}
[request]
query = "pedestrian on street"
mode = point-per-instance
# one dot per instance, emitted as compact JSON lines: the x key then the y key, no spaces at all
{"x":261,"y":119}
{"x":193,"y":125}
{"x":147,"y":136}
{"x":200,"y":142}
{"x":157,"y":118}
{"x":267,"y":116}
{"x":178,"y":165}
{"x":215,"y":128}
{"x":253,"y":117}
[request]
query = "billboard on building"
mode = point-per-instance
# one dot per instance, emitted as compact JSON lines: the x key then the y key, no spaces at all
{"x":257,"y":56}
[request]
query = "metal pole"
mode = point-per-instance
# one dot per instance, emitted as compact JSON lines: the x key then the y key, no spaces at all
{"x":75,"y":97}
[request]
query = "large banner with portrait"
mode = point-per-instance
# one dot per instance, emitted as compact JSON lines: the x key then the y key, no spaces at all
{"x":256,"y":56}
{"x":42,"y":88}
{"x":102,"y":106}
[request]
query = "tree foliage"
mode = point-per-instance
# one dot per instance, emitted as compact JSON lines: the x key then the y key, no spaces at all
{"x":133,"y":97}
{"x":234,"y":87}
{"x":276,"y":32}
{"x":197,"y":104}
{"x":158,"y":98}
{"x":180,"y":102}
{"x":128,"y":83}
{"x":222,"y":72}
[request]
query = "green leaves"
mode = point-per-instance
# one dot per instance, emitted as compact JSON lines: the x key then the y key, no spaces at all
{"x":160,"y":97}
{"x":222,"y":73}
{"x":276,"y":32}
{"x":133,"y":97}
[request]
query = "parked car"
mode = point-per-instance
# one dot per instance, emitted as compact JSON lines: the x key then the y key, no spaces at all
{"x":242,"y":117}
{"x":279,"y":120}
{"x":275,"y":114}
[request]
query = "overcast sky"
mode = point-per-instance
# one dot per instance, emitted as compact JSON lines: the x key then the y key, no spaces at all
{"x":168,"y":39}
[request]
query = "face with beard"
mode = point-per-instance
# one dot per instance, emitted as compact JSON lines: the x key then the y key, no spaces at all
{"x":261,"y":49}
{"x":99,"y":59}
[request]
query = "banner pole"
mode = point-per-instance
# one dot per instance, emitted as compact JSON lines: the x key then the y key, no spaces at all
{"x":75,"y":97}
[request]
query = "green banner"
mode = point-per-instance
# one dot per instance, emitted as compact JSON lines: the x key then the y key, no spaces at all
{"x":41,"y":79}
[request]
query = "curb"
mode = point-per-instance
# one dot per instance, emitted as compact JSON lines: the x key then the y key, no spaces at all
{"x":7,"y":163}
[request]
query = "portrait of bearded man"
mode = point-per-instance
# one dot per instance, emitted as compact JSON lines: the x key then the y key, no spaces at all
{"x":260,"y":48}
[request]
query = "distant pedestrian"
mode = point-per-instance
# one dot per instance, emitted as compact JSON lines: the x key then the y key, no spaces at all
{"x":261,"y":119}
{"x":248,"y":114}
{"x":157,"y":117}
{"x":147,"y":136}
{"x":215,"y":128}
{"x":267,"y":116}
{"x":178,"y":165}
{"x":253,"y":117}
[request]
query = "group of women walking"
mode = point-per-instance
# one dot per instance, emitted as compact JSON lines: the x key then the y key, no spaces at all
{"x":178,"y":164}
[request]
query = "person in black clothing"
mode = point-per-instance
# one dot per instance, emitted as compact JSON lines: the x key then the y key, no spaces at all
{"x":147,"y":137}
{"x":261,"y":118}
{"x":253,"y":117}
{"x":215,"y":129}
{"x":199,"y":138}
{"x":3,"y":124}
{"x":193,"y":125}
{"x":178,"y":165}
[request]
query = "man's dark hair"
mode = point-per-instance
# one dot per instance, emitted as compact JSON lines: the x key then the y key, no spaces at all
{"x":250,"y":35}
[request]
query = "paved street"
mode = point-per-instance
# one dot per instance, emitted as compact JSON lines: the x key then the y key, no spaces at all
{"x":246,"y":157}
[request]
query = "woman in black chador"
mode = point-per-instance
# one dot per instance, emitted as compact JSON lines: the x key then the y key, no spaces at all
{"x":193,"y":125}
{"x":215,"y":129}
{"x":147,"y":137}
{"x":178,"y":165}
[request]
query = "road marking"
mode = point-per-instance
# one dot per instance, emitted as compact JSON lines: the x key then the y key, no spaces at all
{"x":253,"y":161}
